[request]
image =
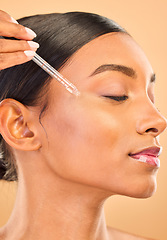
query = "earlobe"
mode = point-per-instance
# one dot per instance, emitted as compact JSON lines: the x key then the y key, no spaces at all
{"x":15,"y":120}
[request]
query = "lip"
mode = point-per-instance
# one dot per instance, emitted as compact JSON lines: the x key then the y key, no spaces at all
{"x":150,"y":151}
{"x":148,"y":155}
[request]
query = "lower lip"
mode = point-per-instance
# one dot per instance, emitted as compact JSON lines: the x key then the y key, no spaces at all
{"x":151,"y":160}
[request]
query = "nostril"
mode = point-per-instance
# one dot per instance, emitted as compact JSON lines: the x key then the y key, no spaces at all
{"x":155,"y":130}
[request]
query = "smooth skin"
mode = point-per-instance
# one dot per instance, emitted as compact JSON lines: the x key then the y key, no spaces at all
{"x":79,"y":156}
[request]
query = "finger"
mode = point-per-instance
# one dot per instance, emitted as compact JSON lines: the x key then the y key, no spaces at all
{"x":6,"y":17}
{"x":8,"y":29}
{"x":9,"y":46}
{"x":11,"y":59}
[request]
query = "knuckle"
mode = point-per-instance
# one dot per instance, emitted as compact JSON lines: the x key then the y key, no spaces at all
{"x":19,"y":56}
{"x":20,"y":28}
{"x":25,"y":45}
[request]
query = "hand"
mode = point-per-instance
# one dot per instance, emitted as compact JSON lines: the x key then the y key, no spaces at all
{"x":14,"y":52}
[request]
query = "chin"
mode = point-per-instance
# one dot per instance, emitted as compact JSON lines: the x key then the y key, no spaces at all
{"x":145,"y":190}
{"x":139,"y":187}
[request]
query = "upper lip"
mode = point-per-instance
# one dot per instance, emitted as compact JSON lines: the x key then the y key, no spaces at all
{"x":150,"y":151}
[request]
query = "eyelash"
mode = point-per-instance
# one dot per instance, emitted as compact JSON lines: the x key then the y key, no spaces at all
{"x":117,"y":98}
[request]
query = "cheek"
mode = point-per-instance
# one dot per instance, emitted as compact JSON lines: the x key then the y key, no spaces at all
{"x":88,"y":143}
{"x":83,"y":141}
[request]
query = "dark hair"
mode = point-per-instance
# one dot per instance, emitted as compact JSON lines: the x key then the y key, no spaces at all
{"x":59,"y":36}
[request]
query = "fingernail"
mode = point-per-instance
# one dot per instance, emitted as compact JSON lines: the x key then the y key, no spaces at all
{"x":33,"y":45}
{"x":30,"y":32}
{"x":29,"y":53}
{"x":14,"y":21}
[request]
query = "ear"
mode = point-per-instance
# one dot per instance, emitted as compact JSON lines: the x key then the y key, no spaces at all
{"x":18,"y":125}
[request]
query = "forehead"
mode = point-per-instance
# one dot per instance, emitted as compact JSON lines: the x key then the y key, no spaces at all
{"x":111,"y":48}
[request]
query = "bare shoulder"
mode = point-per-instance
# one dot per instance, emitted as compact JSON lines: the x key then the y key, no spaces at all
{"x":115,"y":234}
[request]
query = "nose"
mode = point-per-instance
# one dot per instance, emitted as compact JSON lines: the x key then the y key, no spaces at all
{"x":150,"y":121}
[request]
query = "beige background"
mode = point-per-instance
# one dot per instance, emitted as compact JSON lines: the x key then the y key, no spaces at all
{"x":146,"y":20}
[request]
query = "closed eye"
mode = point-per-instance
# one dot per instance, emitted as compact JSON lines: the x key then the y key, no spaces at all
{"x":117,"y":98}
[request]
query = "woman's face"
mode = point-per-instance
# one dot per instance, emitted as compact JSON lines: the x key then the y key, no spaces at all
{"x":90,"y":138}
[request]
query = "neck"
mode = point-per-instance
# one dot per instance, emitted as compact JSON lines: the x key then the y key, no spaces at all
{"x":54,"y":208}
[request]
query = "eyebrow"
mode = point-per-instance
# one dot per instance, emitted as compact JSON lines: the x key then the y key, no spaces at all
{"x":128,"y":71}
